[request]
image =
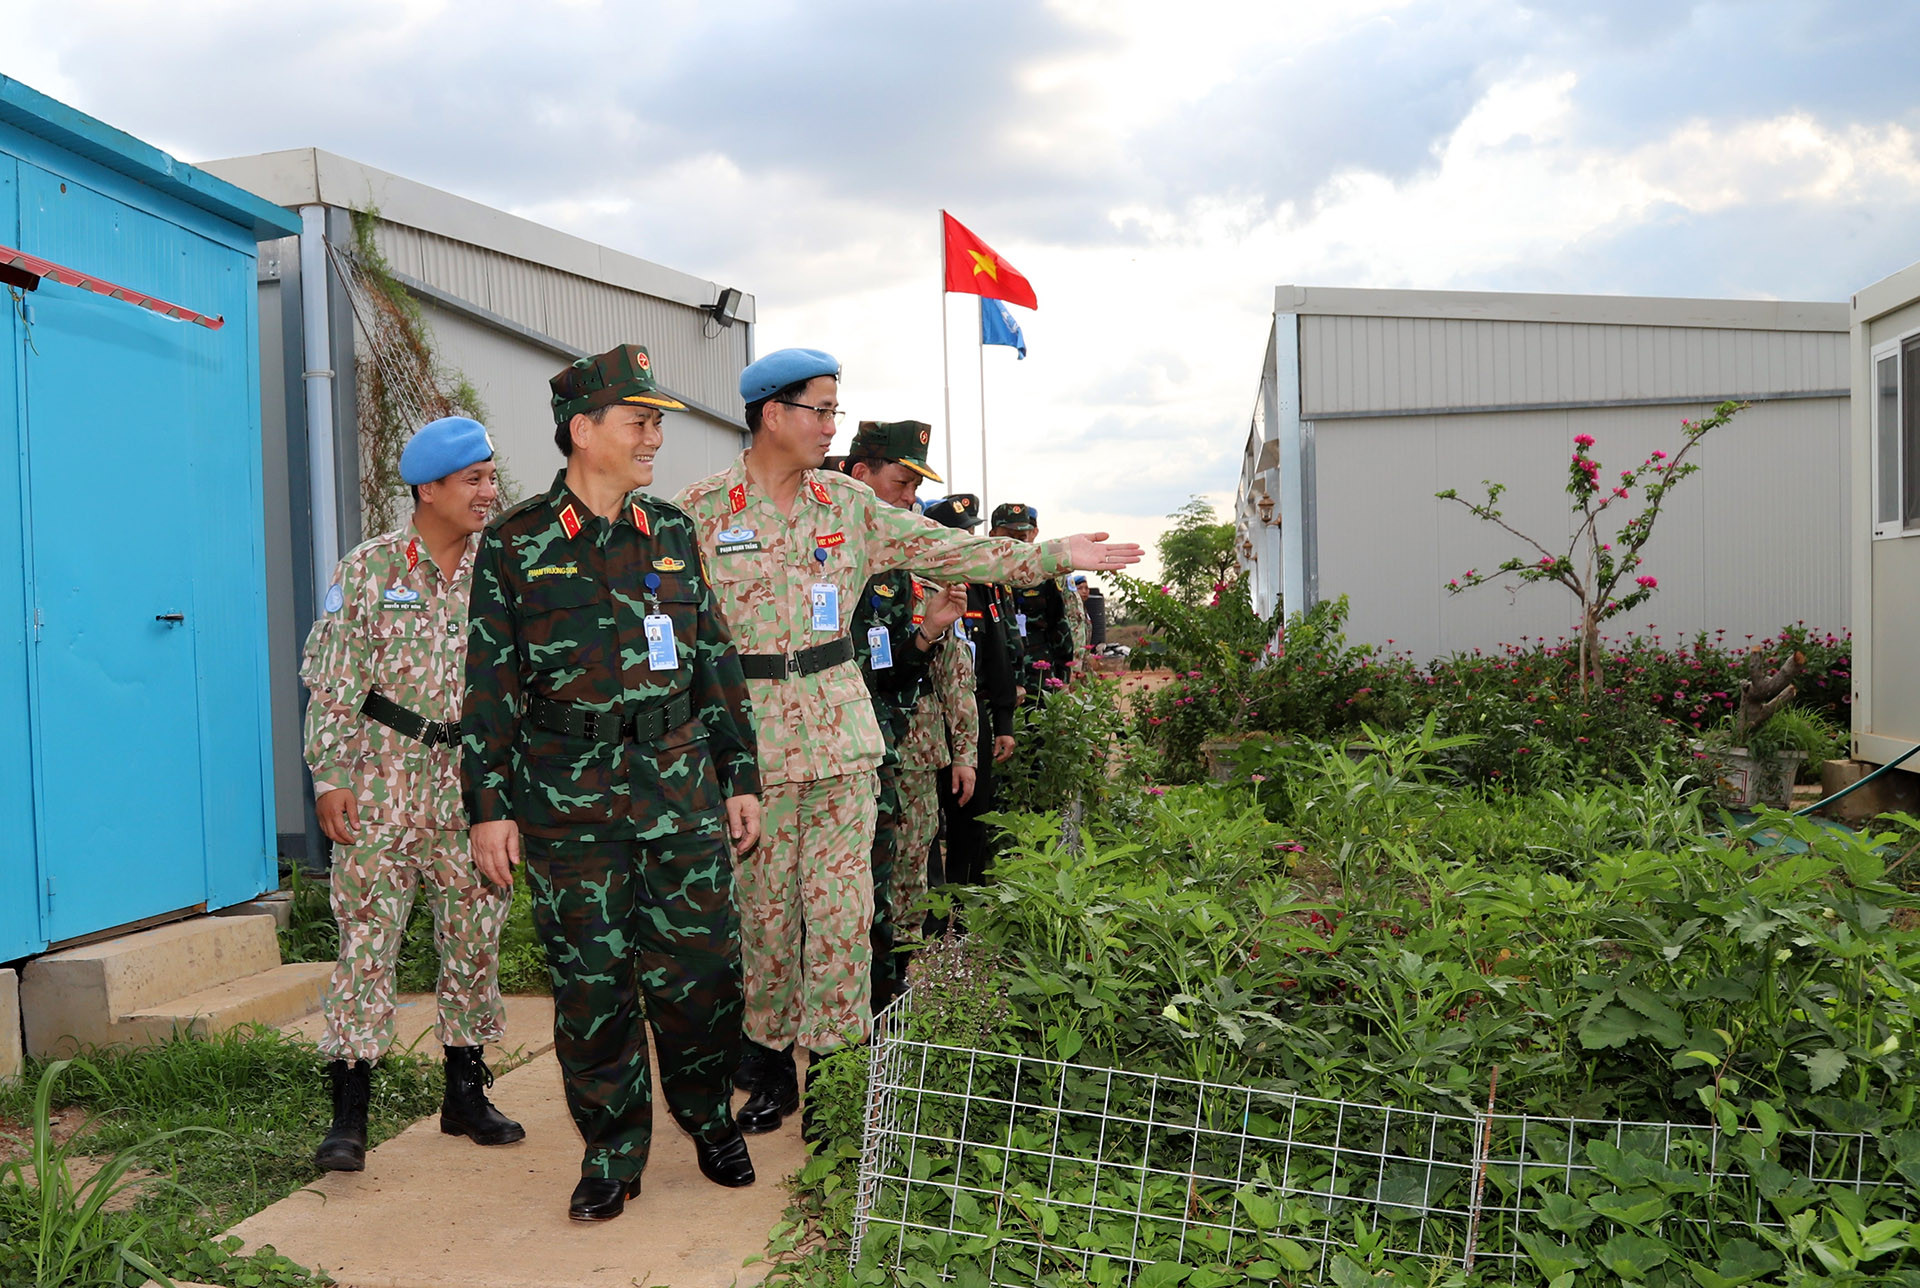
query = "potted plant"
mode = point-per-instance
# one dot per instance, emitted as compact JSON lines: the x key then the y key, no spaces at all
{"x":1754,"y":759}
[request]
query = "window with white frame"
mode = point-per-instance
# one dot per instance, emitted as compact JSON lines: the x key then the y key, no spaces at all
{"x":1896,"y":438}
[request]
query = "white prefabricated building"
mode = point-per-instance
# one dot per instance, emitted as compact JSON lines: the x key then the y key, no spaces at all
{"x":1884,"y":528}
{"x":508,"y":302}
{"x":1371,"y":401}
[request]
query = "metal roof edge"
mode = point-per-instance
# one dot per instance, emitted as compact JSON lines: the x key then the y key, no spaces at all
{"x":330,"y":179}
{"x":1895,"y":291}
{"x":48,"y":118}
{"x":1523,"y":306}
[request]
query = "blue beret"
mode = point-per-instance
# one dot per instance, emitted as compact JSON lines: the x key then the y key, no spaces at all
{"x":783,"y":367}
{"x":442,"y":446}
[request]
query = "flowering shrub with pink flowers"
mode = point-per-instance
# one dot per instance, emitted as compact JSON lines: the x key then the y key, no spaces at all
{"x":1604,"y":551}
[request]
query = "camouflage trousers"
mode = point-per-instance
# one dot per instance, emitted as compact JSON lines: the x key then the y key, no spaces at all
{"x":919,"y":824}
{"x":887,"y":967}
{"x":374,"y":881}
{"x":806,"y":913}
{"x":640,"y":931}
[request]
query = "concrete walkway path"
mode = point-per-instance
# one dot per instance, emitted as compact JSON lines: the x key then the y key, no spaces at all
{"x":434,"y":1211}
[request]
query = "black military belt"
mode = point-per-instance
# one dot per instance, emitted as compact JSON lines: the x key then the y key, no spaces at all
{"x":808,"y":661}
{"x":379,"y":706}
{"x":640,"y":724}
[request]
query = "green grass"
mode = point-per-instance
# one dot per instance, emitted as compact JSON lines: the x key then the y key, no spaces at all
{"x":230,"y":1122}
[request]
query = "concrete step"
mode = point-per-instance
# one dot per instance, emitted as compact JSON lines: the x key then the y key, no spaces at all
{"x":273,"y":997}
{"x":85,"y":996}
{"x":12,"y":1044}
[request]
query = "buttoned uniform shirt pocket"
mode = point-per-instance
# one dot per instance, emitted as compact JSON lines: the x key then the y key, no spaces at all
{"x":392,"y":764}
{"x":561,"y":780}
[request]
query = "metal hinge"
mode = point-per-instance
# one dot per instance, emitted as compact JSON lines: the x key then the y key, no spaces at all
{"x":38,"y":622}
{"x":49,"y":888}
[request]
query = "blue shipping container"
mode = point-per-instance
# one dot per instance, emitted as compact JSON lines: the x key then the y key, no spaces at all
{"x":134,"y":771}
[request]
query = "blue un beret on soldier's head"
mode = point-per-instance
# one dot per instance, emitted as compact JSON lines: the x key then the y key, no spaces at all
{"x":768,"y":376}
{"x":443,"y":446}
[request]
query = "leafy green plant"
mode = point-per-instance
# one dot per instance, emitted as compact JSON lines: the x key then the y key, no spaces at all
{"x":1063,"y":746}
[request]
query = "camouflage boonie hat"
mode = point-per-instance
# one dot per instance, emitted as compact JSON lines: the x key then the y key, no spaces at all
{"x":904,"y":441}
{"x":1014,"y":515}
{"x":622,"y":375}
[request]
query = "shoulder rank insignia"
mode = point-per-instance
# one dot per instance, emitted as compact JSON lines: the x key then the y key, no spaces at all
{"x":667,"y":563}
{"x":819,"y":491}
{"x":640,"y":519}
{"x":570,"y":520}
{"x":737,"y":498}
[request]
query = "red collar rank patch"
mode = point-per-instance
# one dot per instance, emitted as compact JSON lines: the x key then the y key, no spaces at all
{"x":819,"y":491}
{"x":737,"y":498}
{"x":640,"y":519}
{"x":570,"y":520}
{"x":413,"y":554}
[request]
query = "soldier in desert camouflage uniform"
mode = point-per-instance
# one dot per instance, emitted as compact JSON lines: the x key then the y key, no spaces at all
{"x":608,"y":733}
{"x":789,"y":546}
{"x":385,"y":664}
{"x":944,"y":732}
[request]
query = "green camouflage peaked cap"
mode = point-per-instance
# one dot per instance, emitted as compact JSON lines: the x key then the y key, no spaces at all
{"x":904,"y":441}
{"x":1014,"y":515}
{"x":622,"y":375}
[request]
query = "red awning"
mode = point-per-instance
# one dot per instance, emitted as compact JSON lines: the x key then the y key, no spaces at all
{"x":34,"y":266}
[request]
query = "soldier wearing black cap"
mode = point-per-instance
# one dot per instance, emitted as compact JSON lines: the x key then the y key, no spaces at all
{"x":988,"y":627}
{"x":891,"y":458}
{"x":1043,"y":616}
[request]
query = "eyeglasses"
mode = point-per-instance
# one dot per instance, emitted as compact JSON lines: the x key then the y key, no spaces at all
{"x":833,"y":414}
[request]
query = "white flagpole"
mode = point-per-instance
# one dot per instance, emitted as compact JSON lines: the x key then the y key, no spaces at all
{"x":946,"y":376}
{"x":980,"y":334}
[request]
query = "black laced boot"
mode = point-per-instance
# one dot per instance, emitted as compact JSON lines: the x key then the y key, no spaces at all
{"x":465,"y":1109}
{"x":345,"y":1146}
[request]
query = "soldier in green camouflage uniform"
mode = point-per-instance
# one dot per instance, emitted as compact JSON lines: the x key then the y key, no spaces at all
{"x":385,"y":665}
{"x":789,"y":546}
{"x":891,"y":458}
{"x":608,"y":732}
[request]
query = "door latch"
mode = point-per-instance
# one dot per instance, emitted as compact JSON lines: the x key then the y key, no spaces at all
{"x":171,"y":618}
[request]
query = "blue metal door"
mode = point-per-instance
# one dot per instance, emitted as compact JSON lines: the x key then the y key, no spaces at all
{"x":19,"y":865}
{"x":109,"y":480}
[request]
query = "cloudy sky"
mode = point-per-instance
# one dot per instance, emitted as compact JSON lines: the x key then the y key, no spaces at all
{"x":1154,"y":169}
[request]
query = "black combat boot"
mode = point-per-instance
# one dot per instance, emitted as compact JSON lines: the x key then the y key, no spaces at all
{"x":345,"y":1146}
{"x":465,"y":1109}
{"x":754,"y":1062}
{"x":725,"y":1161}
{"x":601,"y":1198}
{"x":775,"y":1095}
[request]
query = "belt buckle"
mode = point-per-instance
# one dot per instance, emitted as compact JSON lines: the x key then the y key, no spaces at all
{"x":793,"y":664}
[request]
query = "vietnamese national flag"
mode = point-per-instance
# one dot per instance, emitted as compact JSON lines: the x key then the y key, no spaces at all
{"x":975,"y":268}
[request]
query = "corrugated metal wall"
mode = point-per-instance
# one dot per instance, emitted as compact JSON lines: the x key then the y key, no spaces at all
{"x":1356,"y":365}
{"x":692,"y":356}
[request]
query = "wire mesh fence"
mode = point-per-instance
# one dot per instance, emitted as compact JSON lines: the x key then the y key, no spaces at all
{"x":1017,"y":1171}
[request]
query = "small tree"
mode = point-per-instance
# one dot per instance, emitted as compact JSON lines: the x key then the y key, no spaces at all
{"x":1592,"y":568}
{"x":1196,"y":553}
